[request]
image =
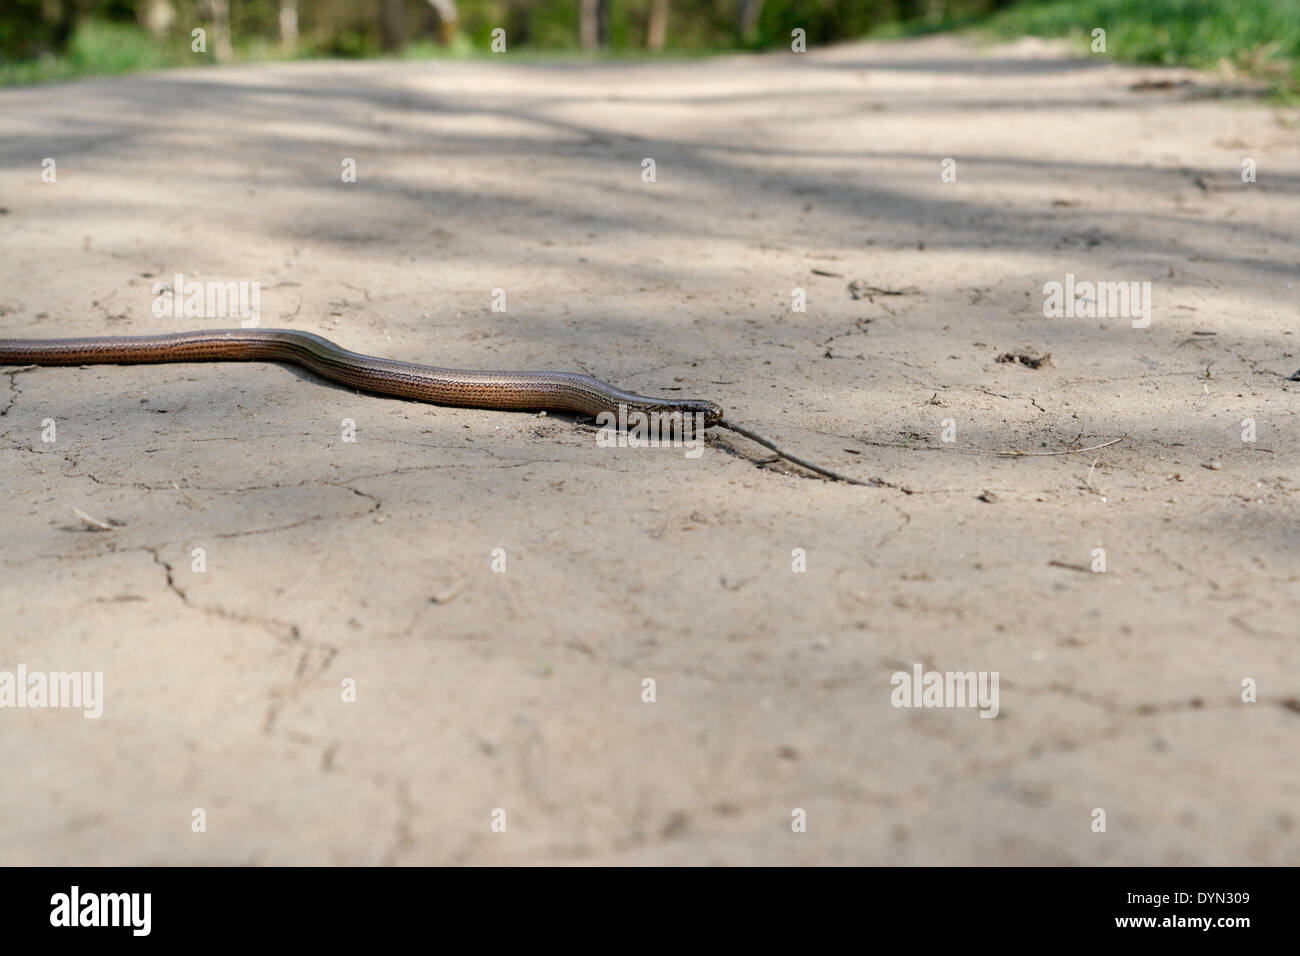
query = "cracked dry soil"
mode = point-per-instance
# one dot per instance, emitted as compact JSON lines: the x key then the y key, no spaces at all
{"x":371,"y":562}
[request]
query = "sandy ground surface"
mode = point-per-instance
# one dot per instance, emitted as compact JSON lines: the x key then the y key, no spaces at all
{"x":371,"y":561}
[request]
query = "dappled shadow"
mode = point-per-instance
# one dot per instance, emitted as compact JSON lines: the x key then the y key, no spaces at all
{"x":461,"y":174}
{"x":366,"y":109}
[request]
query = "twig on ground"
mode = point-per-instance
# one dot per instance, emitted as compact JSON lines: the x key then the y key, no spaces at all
{"x":818,"y":469}
{"x":1016,"y":453}
{"x":1069,"y":567}
{"x":93,"y":522}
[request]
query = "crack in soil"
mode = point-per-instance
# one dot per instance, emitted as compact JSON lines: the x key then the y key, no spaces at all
{"x":14,"y":390}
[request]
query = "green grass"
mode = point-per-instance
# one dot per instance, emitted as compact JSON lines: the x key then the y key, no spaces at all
{"x":1256,"y":38}
{"x":1246,"y":33}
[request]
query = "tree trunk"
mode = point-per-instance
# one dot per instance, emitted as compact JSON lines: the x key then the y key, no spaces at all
{"x":289,"y":26}
{"x":391,"y":25}
{"x":658,"y":30}
{"x":158,"y":16}
{"x":593,"y":23}
{"x":448,"y":19}
{"x":747,"y":21}
{"x":221,"y":48}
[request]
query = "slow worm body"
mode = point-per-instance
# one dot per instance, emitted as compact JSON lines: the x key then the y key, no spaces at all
{"x":532,"y":391}
{"x":519,"y":391}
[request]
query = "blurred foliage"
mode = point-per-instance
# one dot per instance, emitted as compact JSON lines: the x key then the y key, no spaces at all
{"x":95,"y":47}
{"x":56,"y":39}
{"x":356,"y":27}
{"x":1259,"y":38}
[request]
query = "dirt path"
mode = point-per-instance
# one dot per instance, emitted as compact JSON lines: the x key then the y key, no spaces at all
{"x":329,"y":561}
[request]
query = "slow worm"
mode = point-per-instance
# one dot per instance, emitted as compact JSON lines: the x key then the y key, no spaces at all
{"x":531,"y":391}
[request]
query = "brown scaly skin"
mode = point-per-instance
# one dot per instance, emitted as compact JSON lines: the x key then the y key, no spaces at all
{"x":528,"y":391}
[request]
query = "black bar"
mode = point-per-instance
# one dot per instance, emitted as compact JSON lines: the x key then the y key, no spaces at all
{"x":974,"y":906}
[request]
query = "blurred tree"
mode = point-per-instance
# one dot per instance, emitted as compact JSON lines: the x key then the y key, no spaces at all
{"x":289,"y":26}
{"x":593,"y":23}
{"x":448,"y":19}
{"x":158,"y":17}
{"x":657,"y":32}
{"x":222,"y":51}
{"x":392,"y":28}
{"x":352,"y":28}
{"x":747,"y":20}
